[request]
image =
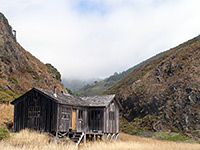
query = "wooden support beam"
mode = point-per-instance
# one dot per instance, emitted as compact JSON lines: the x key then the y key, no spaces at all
{"x":113,"y":137}
{"x":85,"y":138}
{"x":103,"y":137}
{"x":117,"y":136}
{"x":108,"y":136}
{"x":95,"y":137}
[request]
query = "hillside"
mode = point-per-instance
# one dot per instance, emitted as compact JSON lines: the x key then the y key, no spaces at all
{"x":101,"y":86}
{"x":163,"y":94}
{"x":19,"y":70}
{"x":98,"y":87}
{"x":76,"y":84}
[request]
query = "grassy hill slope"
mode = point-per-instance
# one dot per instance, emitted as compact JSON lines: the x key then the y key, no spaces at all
{"x":98,"y":87}
{"x":19,"y":70}
{"x":163,"y":94}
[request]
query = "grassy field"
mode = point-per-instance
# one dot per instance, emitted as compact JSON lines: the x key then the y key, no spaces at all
{"x":30,"y":140}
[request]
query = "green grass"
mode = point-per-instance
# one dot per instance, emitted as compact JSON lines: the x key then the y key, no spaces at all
{"x":12,"y":80}
{"x":133,"y":129}
{"x":4,"y":133}
{"x":171,"y":136}
{"x":4,"y":58}
{"x":7,"y":95}
{"x":29,"y":69}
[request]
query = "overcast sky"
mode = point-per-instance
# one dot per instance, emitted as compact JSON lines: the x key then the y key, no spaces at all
{"x":95,"y":38}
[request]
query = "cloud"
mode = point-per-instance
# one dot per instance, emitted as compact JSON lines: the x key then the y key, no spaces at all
{"x":95,"y":38}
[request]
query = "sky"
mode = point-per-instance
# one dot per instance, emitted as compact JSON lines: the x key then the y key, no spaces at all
{"x":87,"y":39}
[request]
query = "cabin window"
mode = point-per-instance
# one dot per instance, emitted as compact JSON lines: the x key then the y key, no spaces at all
{"x":34,"y":111}
{"x":80,"y":114}
{"x":111,"y":115}
{"x":66,"y":113}
{"x":98,"y":115}
{"x":95,"y":115}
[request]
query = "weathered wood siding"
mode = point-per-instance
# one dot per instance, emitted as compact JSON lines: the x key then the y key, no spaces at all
{"x":111,"y":125}
{"x":64,"y":117}
{"x":64,"y":124}
{"x":116,"y":118}
{"x":46,"y":121}
{"x":82,"y":123}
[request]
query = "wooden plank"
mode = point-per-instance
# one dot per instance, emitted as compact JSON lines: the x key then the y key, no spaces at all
{"x":104,"y":120}
{"x":113,"y":121}
{"x":57,"y":118}
{"x":74,"y":117}
{"x":86,"y":124}
{"x":117,"y":118}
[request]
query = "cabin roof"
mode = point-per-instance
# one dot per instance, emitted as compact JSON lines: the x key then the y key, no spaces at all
{"x":64,"y":98}
{"x":89,"y":101}
{"x":99,"y":101}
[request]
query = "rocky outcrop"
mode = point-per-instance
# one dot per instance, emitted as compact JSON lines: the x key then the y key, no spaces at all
{"x":167,"y":96}
{"x":18,"y":68}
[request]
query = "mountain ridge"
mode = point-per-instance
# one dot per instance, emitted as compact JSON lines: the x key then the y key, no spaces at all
{"x":163,"y":94}
{"x":98,"y":87}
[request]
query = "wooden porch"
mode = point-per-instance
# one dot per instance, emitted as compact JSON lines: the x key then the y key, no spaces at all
{"x":78,"y":137}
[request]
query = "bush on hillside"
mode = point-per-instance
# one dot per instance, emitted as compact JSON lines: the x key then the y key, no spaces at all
{"x":54,"y":70}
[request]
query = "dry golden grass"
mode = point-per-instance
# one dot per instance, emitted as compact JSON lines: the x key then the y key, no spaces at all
{"x":135,"y":145}
{"x":6,"y":113}
{"x":31,"y":140}
{"x":128,"y":142}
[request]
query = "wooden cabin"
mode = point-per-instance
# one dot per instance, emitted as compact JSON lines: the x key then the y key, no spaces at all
{"x":61,"y":114}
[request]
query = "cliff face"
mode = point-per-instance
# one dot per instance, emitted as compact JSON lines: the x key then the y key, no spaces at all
{"x":163,"y":94}
{"x":20,"y":70}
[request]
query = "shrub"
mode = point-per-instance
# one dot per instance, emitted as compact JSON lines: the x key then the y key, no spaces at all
{"x":4,"y":133}
{"x":12,"y":80}
{"x":69,"y":91}
{"x":5,"y":97}
{"x":29,"y":69}
{"x":1,"y":87}
{"x":54,"y":70}
{"x":4,"y":58}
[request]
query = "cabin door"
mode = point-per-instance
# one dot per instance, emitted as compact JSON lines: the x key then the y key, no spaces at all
{"x":96,"y":120}
{"x":74,"y":116}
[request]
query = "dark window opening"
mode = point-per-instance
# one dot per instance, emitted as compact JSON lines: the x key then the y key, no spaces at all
{"x":66,"y":116}
{"x":80,"y":114}
{"x":111,"y":115}
{"x":95,"y":115}
{"x":98,"y":115}
{"x":34,"y":111}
